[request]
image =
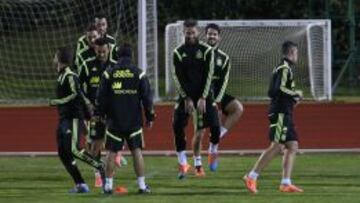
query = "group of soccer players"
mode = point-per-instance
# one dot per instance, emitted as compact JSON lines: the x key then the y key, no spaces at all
{"x":102,"y":86}
{"x":201,"y":72}
{"x":96,"y":87}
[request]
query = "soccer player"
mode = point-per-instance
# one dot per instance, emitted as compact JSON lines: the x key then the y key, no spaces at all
{"x":192,"y":73}
{"x":70,"y":103}
{"x":102,"y":27}
{"x":282,"y":130}
{"x":101,"y":24}
{"x":230,"y":106}
{"x":85,"y":51}
{"x":124,"y":91}
{"x":90,"y":74}
{"x":85,"y":46}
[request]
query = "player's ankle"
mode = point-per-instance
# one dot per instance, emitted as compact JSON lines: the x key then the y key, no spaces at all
{"x":253,"y":175}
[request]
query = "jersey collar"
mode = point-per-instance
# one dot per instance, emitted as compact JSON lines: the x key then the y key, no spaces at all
{"x":288,"y":61}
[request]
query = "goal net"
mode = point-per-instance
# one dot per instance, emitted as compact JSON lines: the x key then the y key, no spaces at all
{"x":32,"y":30}
{"x":254,"y":47}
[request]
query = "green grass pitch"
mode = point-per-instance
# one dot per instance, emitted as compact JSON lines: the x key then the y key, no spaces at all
{"x":324,"y":177}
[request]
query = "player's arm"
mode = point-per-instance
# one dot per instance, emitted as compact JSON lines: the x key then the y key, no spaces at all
{"x":280,"y":83}
{"x":84,"y":75}
{"x":81,"y":45}
{"x":146,"y":97}
{"x":178,"y":75}
{"x":102,"y":94}
{"x":209,"y":71}
{"x":73,"y":84}
{"x":83,"y":79}
{"x":78,"y":62}
{"x":224,"y":78}
{"x":113,"y":53}
{"x":110,"y":39}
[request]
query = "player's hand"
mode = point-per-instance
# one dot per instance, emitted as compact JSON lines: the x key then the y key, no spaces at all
{"x":219,"y":111}
{"x":218,"y":106}
{"x":95,"y":118}
{"x":201,"y":106}
{"x":86,"y":128}
{"x":90,"y":109}
{"x":298,"y":97}
{"x":149,"y":124}
{"x":52,"y":102}
{"x":189,"y":106}
{"x":299,"y":93}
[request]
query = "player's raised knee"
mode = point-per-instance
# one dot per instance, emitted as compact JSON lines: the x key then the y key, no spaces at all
{"x":235,"y":108}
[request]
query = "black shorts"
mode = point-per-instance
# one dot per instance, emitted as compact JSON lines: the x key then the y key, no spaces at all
{"x":227,"y":98}
{"x":282,"y":128}
{"x":115,"y":140}
{"x":97,"y":130}
{"x":209,"y":119}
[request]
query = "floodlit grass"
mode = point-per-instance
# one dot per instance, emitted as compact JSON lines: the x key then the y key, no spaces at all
{"x":325,"y":178}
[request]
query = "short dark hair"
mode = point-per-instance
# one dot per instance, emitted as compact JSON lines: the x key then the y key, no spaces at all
{"x":287,"y":46}
{"x":212,"y":26}
{"x":125,"y":51}
{"x":91,"y":27}
{"x":190,"y":23}
{"x":101,"y":41}
{"x":65,"y":55}
{"x":100,"y":16}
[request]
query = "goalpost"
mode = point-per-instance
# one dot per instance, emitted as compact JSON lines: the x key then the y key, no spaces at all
{"x":31,"y":31}
{"x":254,"y":48}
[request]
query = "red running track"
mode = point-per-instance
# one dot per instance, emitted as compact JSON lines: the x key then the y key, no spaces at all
{"x":319,"y":126}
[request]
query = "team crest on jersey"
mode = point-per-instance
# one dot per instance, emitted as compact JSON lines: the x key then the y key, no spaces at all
{"x":199,"y":54}
{"x":117,"y":85}
{"x":95,"y":80}
{"x":219,"y":62}
{"x":94,"y":69}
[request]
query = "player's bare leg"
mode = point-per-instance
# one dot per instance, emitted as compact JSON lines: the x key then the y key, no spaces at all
{"x":96,"y":147}
{"x":196,"y":145}
{"x":213,"y":159}
{"x":120,"y":160}
{"x":88,"y":140}
{"x":288,"y":164}
{"x":110,"y":165}
{"x":261,"y":163}
{"x":139,"y":168}
{"x":234,"y":111}
{"x":109,"y":171}
{"x":289,"y":158}
{"x":138,"y":162}
{"x":196,"y":142}
{"x":265,"y":158}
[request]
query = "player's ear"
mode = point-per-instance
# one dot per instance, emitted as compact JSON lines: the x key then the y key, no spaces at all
{"x":196,"y":29}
